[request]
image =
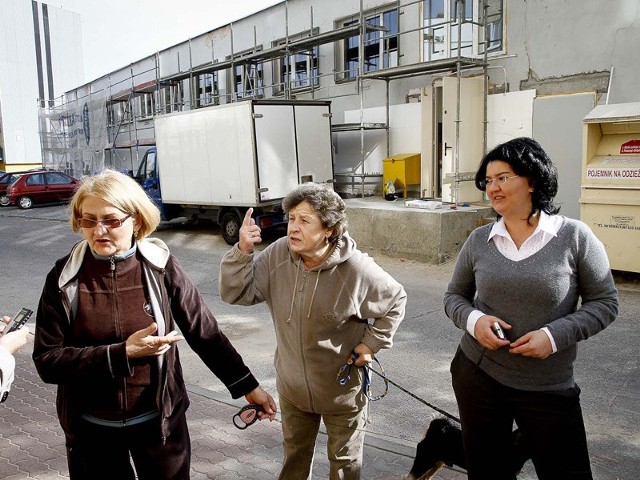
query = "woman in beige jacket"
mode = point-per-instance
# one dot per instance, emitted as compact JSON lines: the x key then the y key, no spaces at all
{"x":327,"y":299}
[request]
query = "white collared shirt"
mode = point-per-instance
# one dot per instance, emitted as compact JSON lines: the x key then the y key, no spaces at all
{"x":548,"y":226}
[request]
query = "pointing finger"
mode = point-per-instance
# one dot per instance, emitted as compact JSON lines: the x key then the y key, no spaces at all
{"x":247,"y":218}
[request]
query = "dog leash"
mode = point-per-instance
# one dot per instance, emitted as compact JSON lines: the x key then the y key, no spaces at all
{"x":344,"y":375}
{"x":344,"y":378}
{"x":439,"y":410}
{"x":247,"y":416}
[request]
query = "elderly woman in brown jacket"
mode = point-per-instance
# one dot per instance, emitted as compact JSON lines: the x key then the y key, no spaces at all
{"x":106,"y":334}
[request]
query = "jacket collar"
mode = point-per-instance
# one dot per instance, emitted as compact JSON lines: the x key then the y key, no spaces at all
{"x":154,"y":250}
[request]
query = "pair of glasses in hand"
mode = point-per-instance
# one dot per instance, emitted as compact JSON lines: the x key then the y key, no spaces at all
{"x":247,"y":416}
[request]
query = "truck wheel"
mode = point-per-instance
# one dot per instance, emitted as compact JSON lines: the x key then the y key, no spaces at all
{"x":230,"y":225}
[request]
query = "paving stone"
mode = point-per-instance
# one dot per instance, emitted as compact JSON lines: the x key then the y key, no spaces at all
{"x":32,"y":441}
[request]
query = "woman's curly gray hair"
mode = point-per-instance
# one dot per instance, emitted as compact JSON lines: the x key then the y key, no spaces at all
{"x":326,"y":203}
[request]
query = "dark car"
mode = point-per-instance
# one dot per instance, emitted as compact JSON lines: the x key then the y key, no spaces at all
{"x":7,"y":179}
{"x":41,"y":187}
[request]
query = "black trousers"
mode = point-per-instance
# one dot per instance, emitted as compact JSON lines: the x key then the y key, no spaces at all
{"x":101,"y":453}
{"x":551,"y":424}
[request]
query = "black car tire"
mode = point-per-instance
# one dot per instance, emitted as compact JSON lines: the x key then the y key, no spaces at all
{"x":230,"y":225}
{"x":25,"y":202}
{"x":4,"y":200}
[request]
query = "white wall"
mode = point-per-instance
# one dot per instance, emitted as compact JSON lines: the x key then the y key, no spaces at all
{"x":18,"y":83}
{"x":19,"y":75}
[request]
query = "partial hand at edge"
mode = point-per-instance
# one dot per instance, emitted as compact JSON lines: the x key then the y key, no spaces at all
{"x":13,"y":341}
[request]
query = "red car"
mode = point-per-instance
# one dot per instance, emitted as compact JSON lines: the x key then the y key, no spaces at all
{"x":7,"y":179}
{"x":41,"y":187}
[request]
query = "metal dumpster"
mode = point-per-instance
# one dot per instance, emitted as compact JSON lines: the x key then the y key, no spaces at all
{"x":403,"y":170}
{"x":610,"y":190}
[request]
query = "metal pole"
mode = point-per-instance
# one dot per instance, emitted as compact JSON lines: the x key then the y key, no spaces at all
{"x":456,"y":184}
{"x":287,"y":66}
{"x":233,"y":66}
{"x":312,"y":79}
{"x":485,"y":9}
{"x":387,"y":81}
{"x":360,"y":89}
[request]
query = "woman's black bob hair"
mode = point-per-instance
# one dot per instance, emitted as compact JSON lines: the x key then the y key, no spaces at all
{"x":527,"y":159}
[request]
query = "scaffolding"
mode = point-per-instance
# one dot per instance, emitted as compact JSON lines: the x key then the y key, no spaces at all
{"x":122,"y":109}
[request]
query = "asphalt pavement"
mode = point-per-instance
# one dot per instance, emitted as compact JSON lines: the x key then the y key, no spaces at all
{"x":31,"y":441}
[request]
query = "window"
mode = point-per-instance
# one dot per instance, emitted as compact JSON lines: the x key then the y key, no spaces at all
{"x":145,"y":105}
{"x":248,"y":80}
{"x":380,"y":44}
{"x":57,"y":179}
{"x":298,"y":71}
{"x":206,"y":89}
{"x":171,"y":98}
{"x":115,"y":113}
{"x":440,"y":20}
{"x":147,"y":168}
{"x":35,"y":179}
{"x":494,"y":20}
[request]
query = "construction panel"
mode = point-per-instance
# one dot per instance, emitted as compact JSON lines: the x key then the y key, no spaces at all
{"x":276,"y":150}
{"x":471,"y":135}
{"x":313,"y":135}
{"x":564,"y":145}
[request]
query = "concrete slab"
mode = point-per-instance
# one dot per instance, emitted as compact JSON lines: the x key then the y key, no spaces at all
{"x":422,"y":234}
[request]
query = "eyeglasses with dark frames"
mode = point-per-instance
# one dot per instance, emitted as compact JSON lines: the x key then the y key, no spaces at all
{"x":500,"y":181}
{"x":108,"y":223}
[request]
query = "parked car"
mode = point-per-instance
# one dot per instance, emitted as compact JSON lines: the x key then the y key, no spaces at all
{"x":41,"y":187}
{"x":7,"y":179}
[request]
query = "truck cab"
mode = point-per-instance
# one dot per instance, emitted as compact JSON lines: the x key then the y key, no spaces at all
{"x":147,"y":177}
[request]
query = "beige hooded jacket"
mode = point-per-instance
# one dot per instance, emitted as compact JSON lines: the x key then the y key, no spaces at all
{"x":319,"y":315}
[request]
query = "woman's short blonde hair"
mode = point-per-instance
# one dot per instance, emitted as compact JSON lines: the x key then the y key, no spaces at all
{"x":120,"y":191}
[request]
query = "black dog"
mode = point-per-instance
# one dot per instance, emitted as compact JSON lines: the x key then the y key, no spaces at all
{"x":442,"y":445}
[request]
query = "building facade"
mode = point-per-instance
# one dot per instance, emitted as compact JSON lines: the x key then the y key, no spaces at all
{"x":446,"y":79}
{"x":40,"y":59}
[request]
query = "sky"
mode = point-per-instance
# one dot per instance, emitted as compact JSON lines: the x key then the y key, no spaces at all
{"x":118,"y":32}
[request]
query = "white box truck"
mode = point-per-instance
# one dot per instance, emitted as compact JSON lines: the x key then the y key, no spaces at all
{"x":216,"y":162}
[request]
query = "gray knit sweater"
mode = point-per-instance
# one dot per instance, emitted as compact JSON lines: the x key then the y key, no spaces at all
{"x":566,"y":286}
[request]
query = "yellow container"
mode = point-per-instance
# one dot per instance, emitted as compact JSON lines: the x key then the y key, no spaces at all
{"x":610,"y":190}
{"x":403,"y":170}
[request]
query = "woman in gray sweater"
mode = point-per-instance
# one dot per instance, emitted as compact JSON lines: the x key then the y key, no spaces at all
{"x":525,"y":290}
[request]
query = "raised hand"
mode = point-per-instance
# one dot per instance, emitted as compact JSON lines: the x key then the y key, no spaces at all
{"x":249,"y":233}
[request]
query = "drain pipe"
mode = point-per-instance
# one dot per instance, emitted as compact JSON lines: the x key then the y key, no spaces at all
{"x":609,"y":86}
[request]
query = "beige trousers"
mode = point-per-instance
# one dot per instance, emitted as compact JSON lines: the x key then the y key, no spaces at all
{"x":344,"y":444}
